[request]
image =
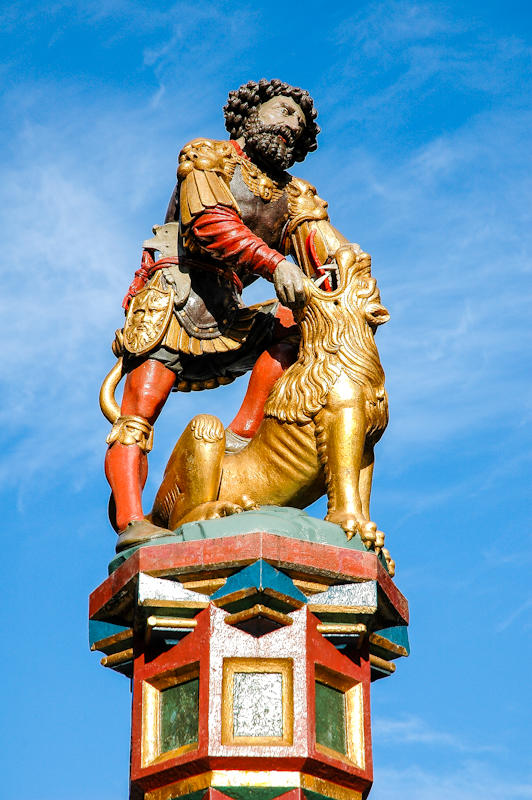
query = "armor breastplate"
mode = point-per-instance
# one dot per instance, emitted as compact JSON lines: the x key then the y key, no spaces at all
{"x":266,"y":219}
{"x":211,"y":173}
{"x":213,"y":305}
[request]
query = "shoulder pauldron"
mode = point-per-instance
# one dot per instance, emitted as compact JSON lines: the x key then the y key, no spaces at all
{"x":205,"y":170}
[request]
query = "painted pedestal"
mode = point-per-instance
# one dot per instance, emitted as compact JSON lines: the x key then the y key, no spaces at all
{"x":251,"y":643}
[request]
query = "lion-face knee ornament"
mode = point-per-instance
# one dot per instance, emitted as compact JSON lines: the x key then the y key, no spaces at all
{"x":322,"y":420}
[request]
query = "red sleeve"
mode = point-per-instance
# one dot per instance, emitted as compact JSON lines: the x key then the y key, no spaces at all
{"x":220,"y":232}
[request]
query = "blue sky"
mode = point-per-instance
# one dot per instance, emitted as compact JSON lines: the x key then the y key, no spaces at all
{"x":424,"y":159}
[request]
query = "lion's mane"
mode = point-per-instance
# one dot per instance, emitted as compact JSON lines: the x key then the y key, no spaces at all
{"x":335,"y":338}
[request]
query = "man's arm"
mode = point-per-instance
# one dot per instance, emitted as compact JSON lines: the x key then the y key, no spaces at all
{"x":221,"y":233}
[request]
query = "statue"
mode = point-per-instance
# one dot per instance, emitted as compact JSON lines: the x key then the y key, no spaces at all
{"x":313,"y":409}
{"x":252,"y":633}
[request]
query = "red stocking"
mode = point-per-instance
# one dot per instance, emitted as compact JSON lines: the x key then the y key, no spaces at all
{"x":126,"y":466}
{"x":269,"y":366}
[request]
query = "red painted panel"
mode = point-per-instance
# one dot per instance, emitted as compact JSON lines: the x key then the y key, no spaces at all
{"x":236,"y":552}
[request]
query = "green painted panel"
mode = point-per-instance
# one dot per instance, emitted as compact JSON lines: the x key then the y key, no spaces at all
{"x":253,"y":792}
{"x":314,"y":795}
{"x":330,"y":718}
{"x":192,"y":796}
{"x":179,"y":715}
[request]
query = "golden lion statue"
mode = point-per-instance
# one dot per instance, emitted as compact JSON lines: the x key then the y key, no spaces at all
{"x":322,"y":420}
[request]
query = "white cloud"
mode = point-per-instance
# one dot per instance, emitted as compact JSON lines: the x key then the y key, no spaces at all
{"x":505,"y":623}
{"x":452,"y":258}
{"x":414,"y":730}
{"x":473,"y":780}
{"x":77,"y":200}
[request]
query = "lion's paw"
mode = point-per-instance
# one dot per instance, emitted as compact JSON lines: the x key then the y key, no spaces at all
{"x":390,"y":563}
{"x":248,"y":504}
{"x":379,"y":541}
{"x":212,"y":510}
{"x":352,"y":524}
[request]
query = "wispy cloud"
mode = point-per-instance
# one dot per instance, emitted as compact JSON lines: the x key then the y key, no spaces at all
{"x":452,"y":253}
{"x":86,"y":170}
{"x":448,"y":221}
{"x":469,"y":781}
{"x":414,"y":730}
{"x":505,"y":623}
{"x":418,"y":50}
{"x":72,"y":233}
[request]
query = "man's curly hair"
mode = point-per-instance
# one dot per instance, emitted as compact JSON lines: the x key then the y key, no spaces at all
{"x":249,"y":96}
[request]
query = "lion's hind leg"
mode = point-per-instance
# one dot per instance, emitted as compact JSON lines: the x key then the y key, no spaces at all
{"x":365,"y":481}
{"x":341,"y":437}
{"x":366,"y":478}
{"x":193,"y":473}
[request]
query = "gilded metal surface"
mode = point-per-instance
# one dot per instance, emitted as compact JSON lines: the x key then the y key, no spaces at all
{"x":117,"y":658}
{"x":258,"y":182}
{"x":114,"y":643}
{"x":342,"y":627}
{"x":385,"y":644}
{"x":382,"y":663}
{"x":171,"y":622}
{"x":239,"y":726}
{"x":304,"y":203}
{"x":177,"y":337}
{"x":109,"y":406}
{"x":205,"y":586}
{"x":205,"y":169}
{"x":254,"y":778}
{"x":167,"y":623}
{"x":148,"y":316}
{"x":323,"y":418}
{"x":309,"y":217}
{"x":150,"y":724}
{"x":255,"y":611}
{"x":130,"y":430}
{"x":389,"y":561}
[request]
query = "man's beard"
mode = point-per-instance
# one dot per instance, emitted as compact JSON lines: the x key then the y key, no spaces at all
{"x":264,"y":143}
{"x":142,"y":334}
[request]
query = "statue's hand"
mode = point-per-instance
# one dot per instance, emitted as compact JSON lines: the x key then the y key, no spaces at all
{"x":179,"y":280}
{"x":172,"y":275}
{"x":289,"y":285}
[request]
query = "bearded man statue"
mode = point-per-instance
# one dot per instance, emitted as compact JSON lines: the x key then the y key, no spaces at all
{"x":236,"y":214}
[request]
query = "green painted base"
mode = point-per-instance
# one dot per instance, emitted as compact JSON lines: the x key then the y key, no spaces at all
{"x":290,"y":522}
{"x":252,"y":793}
{"x":267,"y":793}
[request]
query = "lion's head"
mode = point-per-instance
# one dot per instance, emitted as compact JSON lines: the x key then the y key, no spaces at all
{"x":337,"y":335}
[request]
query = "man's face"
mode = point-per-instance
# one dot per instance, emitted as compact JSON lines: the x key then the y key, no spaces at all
{"x":148,"y":313}
{"x":283,"y":111}
{"x":272,"y":130}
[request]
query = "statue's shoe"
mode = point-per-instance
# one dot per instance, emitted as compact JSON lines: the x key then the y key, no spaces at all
{"x":138,"y":532}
